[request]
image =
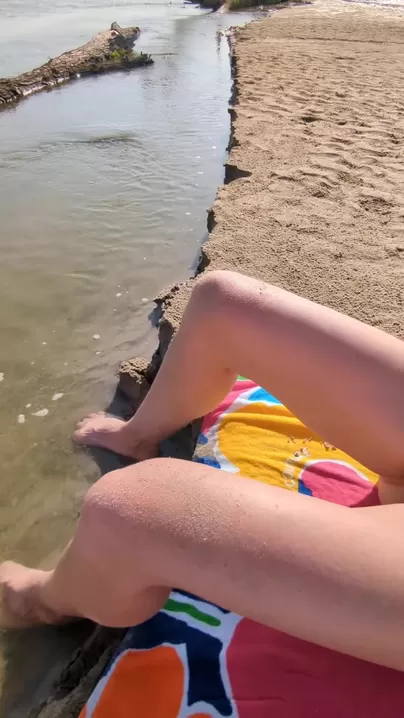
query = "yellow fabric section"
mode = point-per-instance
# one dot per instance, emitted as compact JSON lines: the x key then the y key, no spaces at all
{"x":267,"y":443}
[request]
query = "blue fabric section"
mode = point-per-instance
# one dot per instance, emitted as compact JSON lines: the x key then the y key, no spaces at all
{"x":262,"y":395}
{"x":303,"y":489}
{"x":207,"y":460}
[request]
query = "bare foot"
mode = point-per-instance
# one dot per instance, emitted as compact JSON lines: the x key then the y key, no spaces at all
{"x":114,"y":434}
{"x":20,"y":604}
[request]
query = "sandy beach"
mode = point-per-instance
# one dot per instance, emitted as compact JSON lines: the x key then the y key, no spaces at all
{"x":314,"y":193}
{"x":318,"y":131}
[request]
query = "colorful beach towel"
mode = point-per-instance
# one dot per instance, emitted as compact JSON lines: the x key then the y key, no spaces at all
{"x":197,"y":660}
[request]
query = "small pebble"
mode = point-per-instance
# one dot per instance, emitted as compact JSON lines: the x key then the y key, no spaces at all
{"x":144,"y":300}
{"x":214,"y":147}
{"x":96,"y":336}
{"x":44,"y":344}
{"x":56,"y":397}
{"x":188,"y":214}
{"x":21,"y":419}
{"x":41,"y":412}
{"x":1,"y":376}
{"x":65,"y":363}
{"x":198,"y":157}
{"x":28,"y":406}
{"x":119,"y":294}
{"x":200,"y":173}
{"x":32,"y":363}
{"x":98,"y":352}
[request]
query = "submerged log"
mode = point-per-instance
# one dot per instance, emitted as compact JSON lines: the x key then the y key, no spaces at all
{"x":107,"y":51}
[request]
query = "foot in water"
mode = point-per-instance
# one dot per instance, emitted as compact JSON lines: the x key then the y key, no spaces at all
{"x":20,"y":602}
{"x":114,"y":434}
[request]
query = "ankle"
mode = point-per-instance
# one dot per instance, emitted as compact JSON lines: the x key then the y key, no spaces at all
{"x":51,"y":606}
{"x":145,"y":445}
{"x":147,"y":450}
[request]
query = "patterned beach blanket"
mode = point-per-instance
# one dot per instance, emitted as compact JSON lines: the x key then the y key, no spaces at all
{"x":196,"y":660}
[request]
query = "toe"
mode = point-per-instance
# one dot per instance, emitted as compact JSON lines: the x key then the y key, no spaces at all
{"x":8,"y":617}
{"x":87,"y":424}
{"x":80,"y":434}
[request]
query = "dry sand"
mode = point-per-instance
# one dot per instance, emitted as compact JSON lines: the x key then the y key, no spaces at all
{"x":318,"y":133}
{"x":318,"y":128}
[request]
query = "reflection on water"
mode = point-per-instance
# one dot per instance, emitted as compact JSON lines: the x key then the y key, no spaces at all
{"x":104,"y":186}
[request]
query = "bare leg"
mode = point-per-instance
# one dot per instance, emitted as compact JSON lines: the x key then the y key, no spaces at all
{"x":342,"y":378}
{"x":246,"y":546}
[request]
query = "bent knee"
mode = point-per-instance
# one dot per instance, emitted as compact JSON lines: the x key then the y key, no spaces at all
{"x":224,"y":298}
{"x":128,"y":492}
{"x":218,"y":285}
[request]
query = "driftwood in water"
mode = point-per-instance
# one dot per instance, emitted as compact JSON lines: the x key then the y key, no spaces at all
{"x":107,"y":51}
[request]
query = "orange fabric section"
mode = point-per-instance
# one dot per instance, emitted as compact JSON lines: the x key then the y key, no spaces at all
{"x":148,"y":684}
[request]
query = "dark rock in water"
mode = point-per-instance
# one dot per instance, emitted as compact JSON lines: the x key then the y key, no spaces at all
{"x":107,"y":51}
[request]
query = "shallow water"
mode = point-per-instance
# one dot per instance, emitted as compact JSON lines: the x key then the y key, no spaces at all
{"x":104,"y":187}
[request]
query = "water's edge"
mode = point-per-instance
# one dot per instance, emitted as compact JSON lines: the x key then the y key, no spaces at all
{"x":84,"y":669}
{"x":136,"y":375}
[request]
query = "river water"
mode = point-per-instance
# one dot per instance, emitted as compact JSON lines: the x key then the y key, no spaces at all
{"x":104,"y":187}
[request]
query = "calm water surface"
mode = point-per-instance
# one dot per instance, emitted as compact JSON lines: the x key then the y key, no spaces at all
{"x":104,"y":186}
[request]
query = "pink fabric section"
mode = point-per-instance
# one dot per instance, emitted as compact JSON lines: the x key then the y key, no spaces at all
{"x":296,"y":679}
{"x":338,"y":483}
{"x":211,"y":419}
